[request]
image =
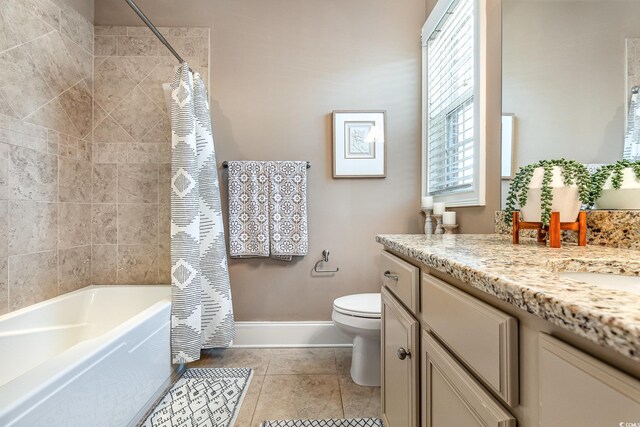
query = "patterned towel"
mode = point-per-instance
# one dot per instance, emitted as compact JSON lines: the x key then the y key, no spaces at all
{"x":248,"y":210}
{"x":288,"y":209}
{"x":268,"y":209}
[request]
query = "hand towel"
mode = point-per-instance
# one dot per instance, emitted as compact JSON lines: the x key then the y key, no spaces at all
{"x":248,"y":209}
{"x":288,"y":209}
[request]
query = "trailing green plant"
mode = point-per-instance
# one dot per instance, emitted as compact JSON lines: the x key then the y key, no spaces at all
{"x":616,"y":172}
{"x":572,"y":173}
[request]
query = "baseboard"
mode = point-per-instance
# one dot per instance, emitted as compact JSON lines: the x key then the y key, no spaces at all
{"x":289,"y":334}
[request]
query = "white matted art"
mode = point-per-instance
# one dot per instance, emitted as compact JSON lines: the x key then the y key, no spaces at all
{"x":359,"y":144}
{"x":508,"y":145}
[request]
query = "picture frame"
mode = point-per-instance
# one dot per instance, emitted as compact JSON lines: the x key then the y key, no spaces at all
{"x":359,"y":144}
{"x":508,"y":157}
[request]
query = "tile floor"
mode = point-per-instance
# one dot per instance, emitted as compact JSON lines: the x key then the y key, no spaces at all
{"x":307,"y":383}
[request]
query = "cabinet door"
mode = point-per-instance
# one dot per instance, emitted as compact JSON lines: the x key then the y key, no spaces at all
{"x":578,"y":390}
{"x":400,"y":355}
{"x":452,"y":397}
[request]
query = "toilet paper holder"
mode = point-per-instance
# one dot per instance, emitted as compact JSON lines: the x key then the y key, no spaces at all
{"x":325,"y":258}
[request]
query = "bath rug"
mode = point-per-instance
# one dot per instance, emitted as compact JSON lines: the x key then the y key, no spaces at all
{"x":351,"y":422}
{"x":208,"y":397}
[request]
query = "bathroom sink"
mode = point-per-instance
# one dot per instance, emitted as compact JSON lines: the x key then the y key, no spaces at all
{"x":616,"y":282}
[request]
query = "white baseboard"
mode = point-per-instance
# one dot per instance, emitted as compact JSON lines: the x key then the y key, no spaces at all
{"x":289,"y":334}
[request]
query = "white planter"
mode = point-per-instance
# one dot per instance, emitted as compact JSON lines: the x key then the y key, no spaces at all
{"x":627,"y":197}
{"x":566,"y":200}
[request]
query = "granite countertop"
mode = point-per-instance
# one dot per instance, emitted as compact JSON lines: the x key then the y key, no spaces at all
{"x":526,"y":276}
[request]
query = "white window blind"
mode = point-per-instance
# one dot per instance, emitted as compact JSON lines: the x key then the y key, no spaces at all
{"x":450,"y":103}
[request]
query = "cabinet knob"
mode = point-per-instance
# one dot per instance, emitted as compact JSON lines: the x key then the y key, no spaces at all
{"x":391,"y":276}
{"x":403,"y":354}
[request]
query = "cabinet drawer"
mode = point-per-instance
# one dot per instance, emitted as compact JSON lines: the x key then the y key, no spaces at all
{"x":484,"y":338}
{"x":578,"y":390}
{"x":401,"y":278}
{"x":453,"y":397}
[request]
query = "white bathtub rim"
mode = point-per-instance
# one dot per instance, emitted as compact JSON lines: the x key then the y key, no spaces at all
{"x":19,"y":391}
{"x":53,"y":300}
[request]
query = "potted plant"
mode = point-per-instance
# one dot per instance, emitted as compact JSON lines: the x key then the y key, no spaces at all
{"x":617,"y":186}
{"x":549,"y":186}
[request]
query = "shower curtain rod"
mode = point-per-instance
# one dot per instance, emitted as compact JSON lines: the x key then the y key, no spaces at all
{"x":153,"y":29}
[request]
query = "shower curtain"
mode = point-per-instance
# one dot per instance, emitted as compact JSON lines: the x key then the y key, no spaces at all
{"x":201,"y":311}
{"x":632,"y":137}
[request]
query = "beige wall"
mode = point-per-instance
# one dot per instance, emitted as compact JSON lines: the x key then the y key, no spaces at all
{"x":46,"y":57}
{"x":278,"y":69}
{"x":566,"y":84}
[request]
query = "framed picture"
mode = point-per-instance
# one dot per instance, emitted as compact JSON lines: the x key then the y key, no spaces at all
{"x":359,"y":144}
{"x":508,"y":145}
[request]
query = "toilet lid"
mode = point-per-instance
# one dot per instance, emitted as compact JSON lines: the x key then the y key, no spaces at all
{"x":360,"y":305}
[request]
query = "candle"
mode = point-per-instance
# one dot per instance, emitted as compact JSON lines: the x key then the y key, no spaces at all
{"x":449,"y":218}
{"x":427,"y":202}
{"x":438,"y":208}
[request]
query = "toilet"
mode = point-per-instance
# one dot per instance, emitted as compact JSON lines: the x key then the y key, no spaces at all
{"x":358,"y":316}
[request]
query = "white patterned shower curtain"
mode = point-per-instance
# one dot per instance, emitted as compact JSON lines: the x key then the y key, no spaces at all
{"x":201,"y":311}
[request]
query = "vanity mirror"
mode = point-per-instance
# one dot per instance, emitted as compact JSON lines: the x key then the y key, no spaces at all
{"x":568,"y":72}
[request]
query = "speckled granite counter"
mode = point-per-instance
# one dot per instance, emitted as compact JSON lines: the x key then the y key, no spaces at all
{"x":618,"y":229}
{"x":525,"y":275}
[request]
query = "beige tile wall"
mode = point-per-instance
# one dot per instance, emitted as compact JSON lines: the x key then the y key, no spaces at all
{"x":130,"y":213}
{"x":46,"y":84}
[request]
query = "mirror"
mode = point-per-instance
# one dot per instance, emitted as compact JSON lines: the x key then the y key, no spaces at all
{"x":568,"y":69}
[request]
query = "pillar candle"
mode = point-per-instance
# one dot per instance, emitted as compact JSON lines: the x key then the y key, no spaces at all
{"x":427,"y":202}
{"x":449,"y":218}
{"x":438,"y":208}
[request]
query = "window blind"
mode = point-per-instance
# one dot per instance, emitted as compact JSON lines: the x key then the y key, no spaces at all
{"x":450,"y":103}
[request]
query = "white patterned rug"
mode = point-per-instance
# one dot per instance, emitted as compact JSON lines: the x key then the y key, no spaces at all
{"x":352,"y":422}
{"x":202,"y":397}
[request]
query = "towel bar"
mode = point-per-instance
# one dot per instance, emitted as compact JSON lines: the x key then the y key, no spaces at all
{"x":325,"y":258}
{"x":225,"y":164}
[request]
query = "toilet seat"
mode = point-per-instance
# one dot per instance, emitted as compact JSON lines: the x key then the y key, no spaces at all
{"x":359,"y":305}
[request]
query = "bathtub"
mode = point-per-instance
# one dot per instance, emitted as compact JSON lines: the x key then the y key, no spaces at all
{"x":95,"y":357}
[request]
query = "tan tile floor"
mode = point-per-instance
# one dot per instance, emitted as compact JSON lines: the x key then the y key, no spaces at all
{"x":297,"y":384}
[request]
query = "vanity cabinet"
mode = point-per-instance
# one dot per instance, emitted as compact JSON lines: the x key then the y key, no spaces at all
{"x":453,"y":355}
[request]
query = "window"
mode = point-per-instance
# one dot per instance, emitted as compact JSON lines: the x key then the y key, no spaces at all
{"x":453,"y":146}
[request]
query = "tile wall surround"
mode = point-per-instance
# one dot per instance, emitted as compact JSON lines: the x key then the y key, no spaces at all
{"x":130,"y":212}
{"x":618,"y":229}
{"x":85,"y":150}
{"x":46,"y":85}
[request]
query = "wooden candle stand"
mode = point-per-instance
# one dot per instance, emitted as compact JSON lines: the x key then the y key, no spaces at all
{"x":553,"y":230}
